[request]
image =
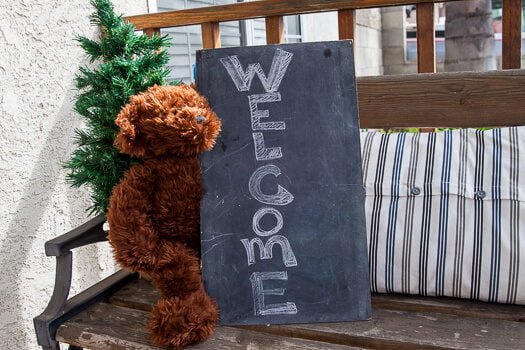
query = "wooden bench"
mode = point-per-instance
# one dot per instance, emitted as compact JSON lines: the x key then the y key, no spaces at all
{"x":113,"y":313}
{"x":398,"y":322}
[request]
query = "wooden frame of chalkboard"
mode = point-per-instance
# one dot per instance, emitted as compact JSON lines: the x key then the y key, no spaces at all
{"x":282,"y":219}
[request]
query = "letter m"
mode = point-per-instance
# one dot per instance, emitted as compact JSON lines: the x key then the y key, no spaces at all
{"x":266,"y":249}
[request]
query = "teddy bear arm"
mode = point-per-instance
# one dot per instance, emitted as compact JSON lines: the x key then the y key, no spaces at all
{"x":132,"y":232}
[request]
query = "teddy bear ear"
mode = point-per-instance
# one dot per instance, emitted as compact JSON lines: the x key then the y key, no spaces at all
{"x":127,"y":140}
{"x":194,"y":87}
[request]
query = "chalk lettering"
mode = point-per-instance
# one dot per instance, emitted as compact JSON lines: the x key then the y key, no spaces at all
{"x":263,"y":153}
{"x":265,"y":250}
{"x":282,"y":197}
{"x":257,"y":114}
{"x":260,"y":308}
{"x":243,"y":79}
{"x":258,"y":216}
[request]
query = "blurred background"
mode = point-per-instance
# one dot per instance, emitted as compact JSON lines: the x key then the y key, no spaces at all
{"x":468,"y":36}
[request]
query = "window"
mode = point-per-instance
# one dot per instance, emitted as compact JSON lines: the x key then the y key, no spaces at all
{"x":254,"y":31}
{"x":186,"y":40}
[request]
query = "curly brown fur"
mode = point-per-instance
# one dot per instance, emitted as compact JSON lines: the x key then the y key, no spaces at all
{"x":192,"y":318}
{"x":154,"y":211}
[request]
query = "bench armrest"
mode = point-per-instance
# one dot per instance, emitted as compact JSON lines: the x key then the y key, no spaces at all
{"x":90,"y":232}
{"x":60,"y":308}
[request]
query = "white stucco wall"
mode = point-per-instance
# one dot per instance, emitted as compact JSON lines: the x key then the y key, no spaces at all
{"x":38,"y":60}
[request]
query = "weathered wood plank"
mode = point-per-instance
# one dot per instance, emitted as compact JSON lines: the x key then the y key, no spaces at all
{"x":211,"y":35}
{"x":140,"y":294}
{"x":256,"y":9}
{"x":511,"y":54}
{"x":152,"y":31}
{"x":464,"y":99}
{"x":347,"y":24}
{"x":426,"y":53}
{"x":458,"y":307}
{"x":274,"y":30}
{"x":391,"y":329}
{"x":105,"y":326}
{"x":426,"y":47}
{"x":397,"y":322}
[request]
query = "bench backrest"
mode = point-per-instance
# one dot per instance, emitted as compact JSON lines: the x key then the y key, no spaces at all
{"x":465,"y":99}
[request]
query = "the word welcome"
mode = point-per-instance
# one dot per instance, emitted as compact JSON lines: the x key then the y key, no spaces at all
{"x":243,"y":80}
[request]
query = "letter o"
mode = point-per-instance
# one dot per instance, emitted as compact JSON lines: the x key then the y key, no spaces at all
{"x":258,"y":216}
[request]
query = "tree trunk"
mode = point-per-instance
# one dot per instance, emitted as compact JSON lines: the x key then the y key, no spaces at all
{"x":469,"y":37}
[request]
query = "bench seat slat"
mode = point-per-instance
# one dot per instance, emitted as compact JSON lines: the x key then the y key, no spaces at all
{"x":105,"y":326}
{"x":451,"y":306}
{"x":108,"y":326}
{"x":397,"y":322}
{"x":393,"y":329}
{"x":140,"y":294}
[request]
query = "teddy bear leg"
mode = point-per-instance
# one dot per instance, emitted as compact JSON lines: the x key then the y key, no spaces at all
{"x":184,"y":314}
{"x":178,"y":322}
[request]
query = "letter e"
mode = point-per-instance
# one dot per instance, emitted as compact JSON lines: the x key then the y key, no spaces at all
{"x":260,"y":308}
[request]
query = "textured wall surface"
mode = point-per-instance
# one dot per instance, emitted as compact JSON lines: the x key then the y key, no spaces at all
{"x":38,"y":60}
{"x":368,"y":51}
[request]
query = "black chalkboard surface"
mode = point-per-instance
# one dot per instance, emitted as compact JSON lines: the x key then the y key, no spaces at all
{"x":282,"y":218}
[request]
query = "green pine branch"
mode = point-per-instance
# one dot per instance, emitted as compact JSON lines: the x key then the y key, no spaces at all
{"x":126,"y":64}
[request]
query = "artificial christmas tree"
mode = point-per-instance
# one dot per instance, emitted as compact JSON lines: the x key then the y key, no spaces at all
{"x":126,"y":64}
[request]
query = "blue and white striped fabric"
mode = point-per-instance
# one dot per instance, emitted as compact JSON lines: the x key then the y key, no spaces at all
{"x":445,"y":213}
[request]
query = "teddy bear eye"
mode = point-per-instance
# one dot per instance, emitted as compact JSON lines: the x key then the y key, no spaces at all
{"x":200,"y":118}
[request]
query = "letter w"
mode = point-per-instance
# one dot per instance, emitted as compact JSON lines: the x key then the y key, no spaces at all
{"x":243,"y":79}
{"x":266,"y":249}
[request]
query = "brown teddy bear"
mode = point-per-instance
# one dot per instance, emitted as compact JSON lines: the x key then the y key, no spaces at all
{"x":154,"y":211}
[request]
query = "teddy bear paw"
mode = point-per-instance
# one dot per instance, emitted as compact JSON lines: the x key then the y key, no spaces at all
{"x":178,"y":322}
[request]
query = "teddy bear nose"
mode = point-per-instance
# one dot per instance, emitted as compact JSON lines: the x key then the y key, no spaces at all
{"x":200,"y":118}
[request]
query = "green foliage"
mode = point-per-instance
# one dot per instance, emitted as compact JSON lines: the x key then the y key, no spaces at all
{"x":416,"y":130}
{"x":393,"y":131}
{"x":125,"y":64}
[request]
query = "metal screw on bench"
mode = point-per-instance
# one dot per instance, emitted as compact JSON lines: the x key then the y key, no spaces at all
{"x":415,"y":191}
{"x":480,"y":194}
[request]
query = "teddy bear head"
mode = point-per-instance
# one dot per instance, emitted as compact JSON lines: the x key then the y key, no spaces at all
{"x":167,"y":121}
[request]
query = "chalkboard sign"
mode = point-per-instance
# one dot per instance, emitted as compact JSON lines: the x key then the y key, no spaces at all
{"x":282,"y":218}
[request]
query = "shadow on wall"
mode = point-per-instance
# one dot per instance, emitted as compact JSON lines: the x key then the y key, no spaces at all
{"x":41,"y":200}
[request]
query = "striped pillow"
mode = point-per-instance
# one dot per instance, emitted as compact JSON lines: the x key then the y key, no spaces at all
{"x":445,"y":214}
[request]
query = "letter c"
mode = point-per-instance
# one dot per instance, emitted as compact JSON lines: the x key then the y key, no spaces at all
{"x":282,"y":197}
